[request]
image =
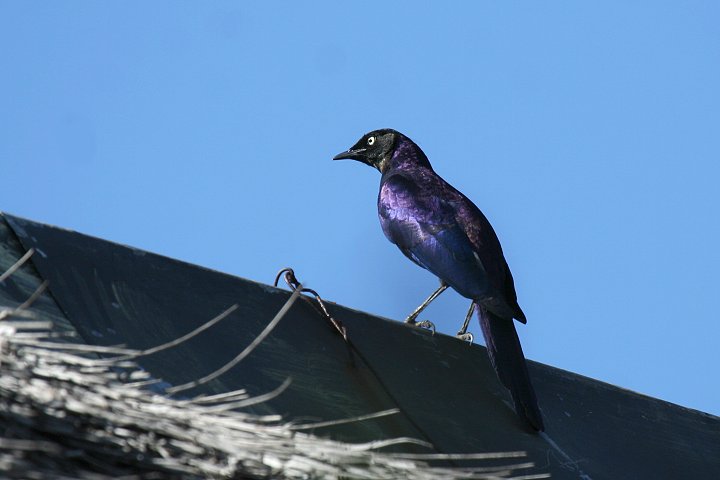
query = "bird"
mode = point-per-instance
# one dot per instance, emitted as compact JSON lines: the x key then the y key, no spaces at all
{"x":441,"y":230}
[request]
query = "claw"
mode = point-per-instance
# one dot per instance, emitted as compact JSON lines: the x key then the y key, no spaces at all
{"x":466,"y":337}
{"x":425,"y":324}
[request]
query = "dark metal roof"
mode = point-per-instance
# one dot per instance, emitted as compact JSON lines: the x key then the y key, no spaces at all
{"x":446,"y":389}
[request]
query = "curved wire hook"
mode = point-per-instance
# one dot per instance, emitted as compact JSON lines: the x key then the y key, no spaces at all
{"x":294,"y":284}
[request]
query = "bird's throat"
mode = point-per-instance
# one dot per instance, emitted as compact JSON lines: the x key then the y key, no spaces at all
{"x":384,"y":163}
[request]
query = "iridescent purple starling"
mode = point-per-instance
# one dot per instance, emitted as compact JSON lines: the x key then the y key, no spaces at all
{"x":439,"y":229}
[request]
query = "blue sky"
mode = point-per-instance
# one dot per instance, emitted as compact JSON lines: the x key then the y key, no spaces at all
{"x":588,"y":133}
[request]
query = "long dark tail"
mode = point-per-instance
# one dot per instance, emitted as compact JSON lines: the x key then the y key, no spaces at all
{"x":506,"y":355}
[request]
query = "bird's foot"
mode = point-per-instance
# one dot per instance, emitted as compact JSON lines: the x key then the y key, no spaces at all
{"x":426,"y":324}
{"x":411,"y":319}
{"x":465,"y":336}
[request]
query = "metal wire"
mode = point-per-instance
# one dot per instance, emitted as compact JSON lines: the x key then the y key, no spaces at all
{"x":293,"y":283}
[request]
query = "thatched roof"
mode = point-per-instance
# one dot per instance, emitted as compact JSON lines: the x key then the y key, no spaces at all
{"x":354,"y":364}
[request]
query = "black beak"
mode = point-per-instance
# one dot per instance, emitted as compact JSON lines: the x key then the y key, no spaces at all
{"x":358,"y":154}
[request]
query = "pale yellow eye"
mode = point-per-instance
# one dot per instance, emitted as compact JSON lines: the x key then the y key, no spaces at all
{"x":371,"y":140}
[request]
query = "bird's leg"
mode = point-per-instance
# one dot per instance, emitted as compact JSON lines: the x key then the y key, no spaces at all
{"x":462,"y":334}
{"x":411,"y":318}
{"x":425,"y":324}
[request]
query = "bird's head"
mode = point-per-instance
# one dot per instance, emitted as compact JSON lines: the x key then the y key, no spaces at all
{"x":375,"y":149}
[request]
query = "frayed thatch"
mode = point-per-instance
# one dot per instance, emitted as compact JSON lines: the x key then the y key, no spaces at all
{"x":65,"y":413}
